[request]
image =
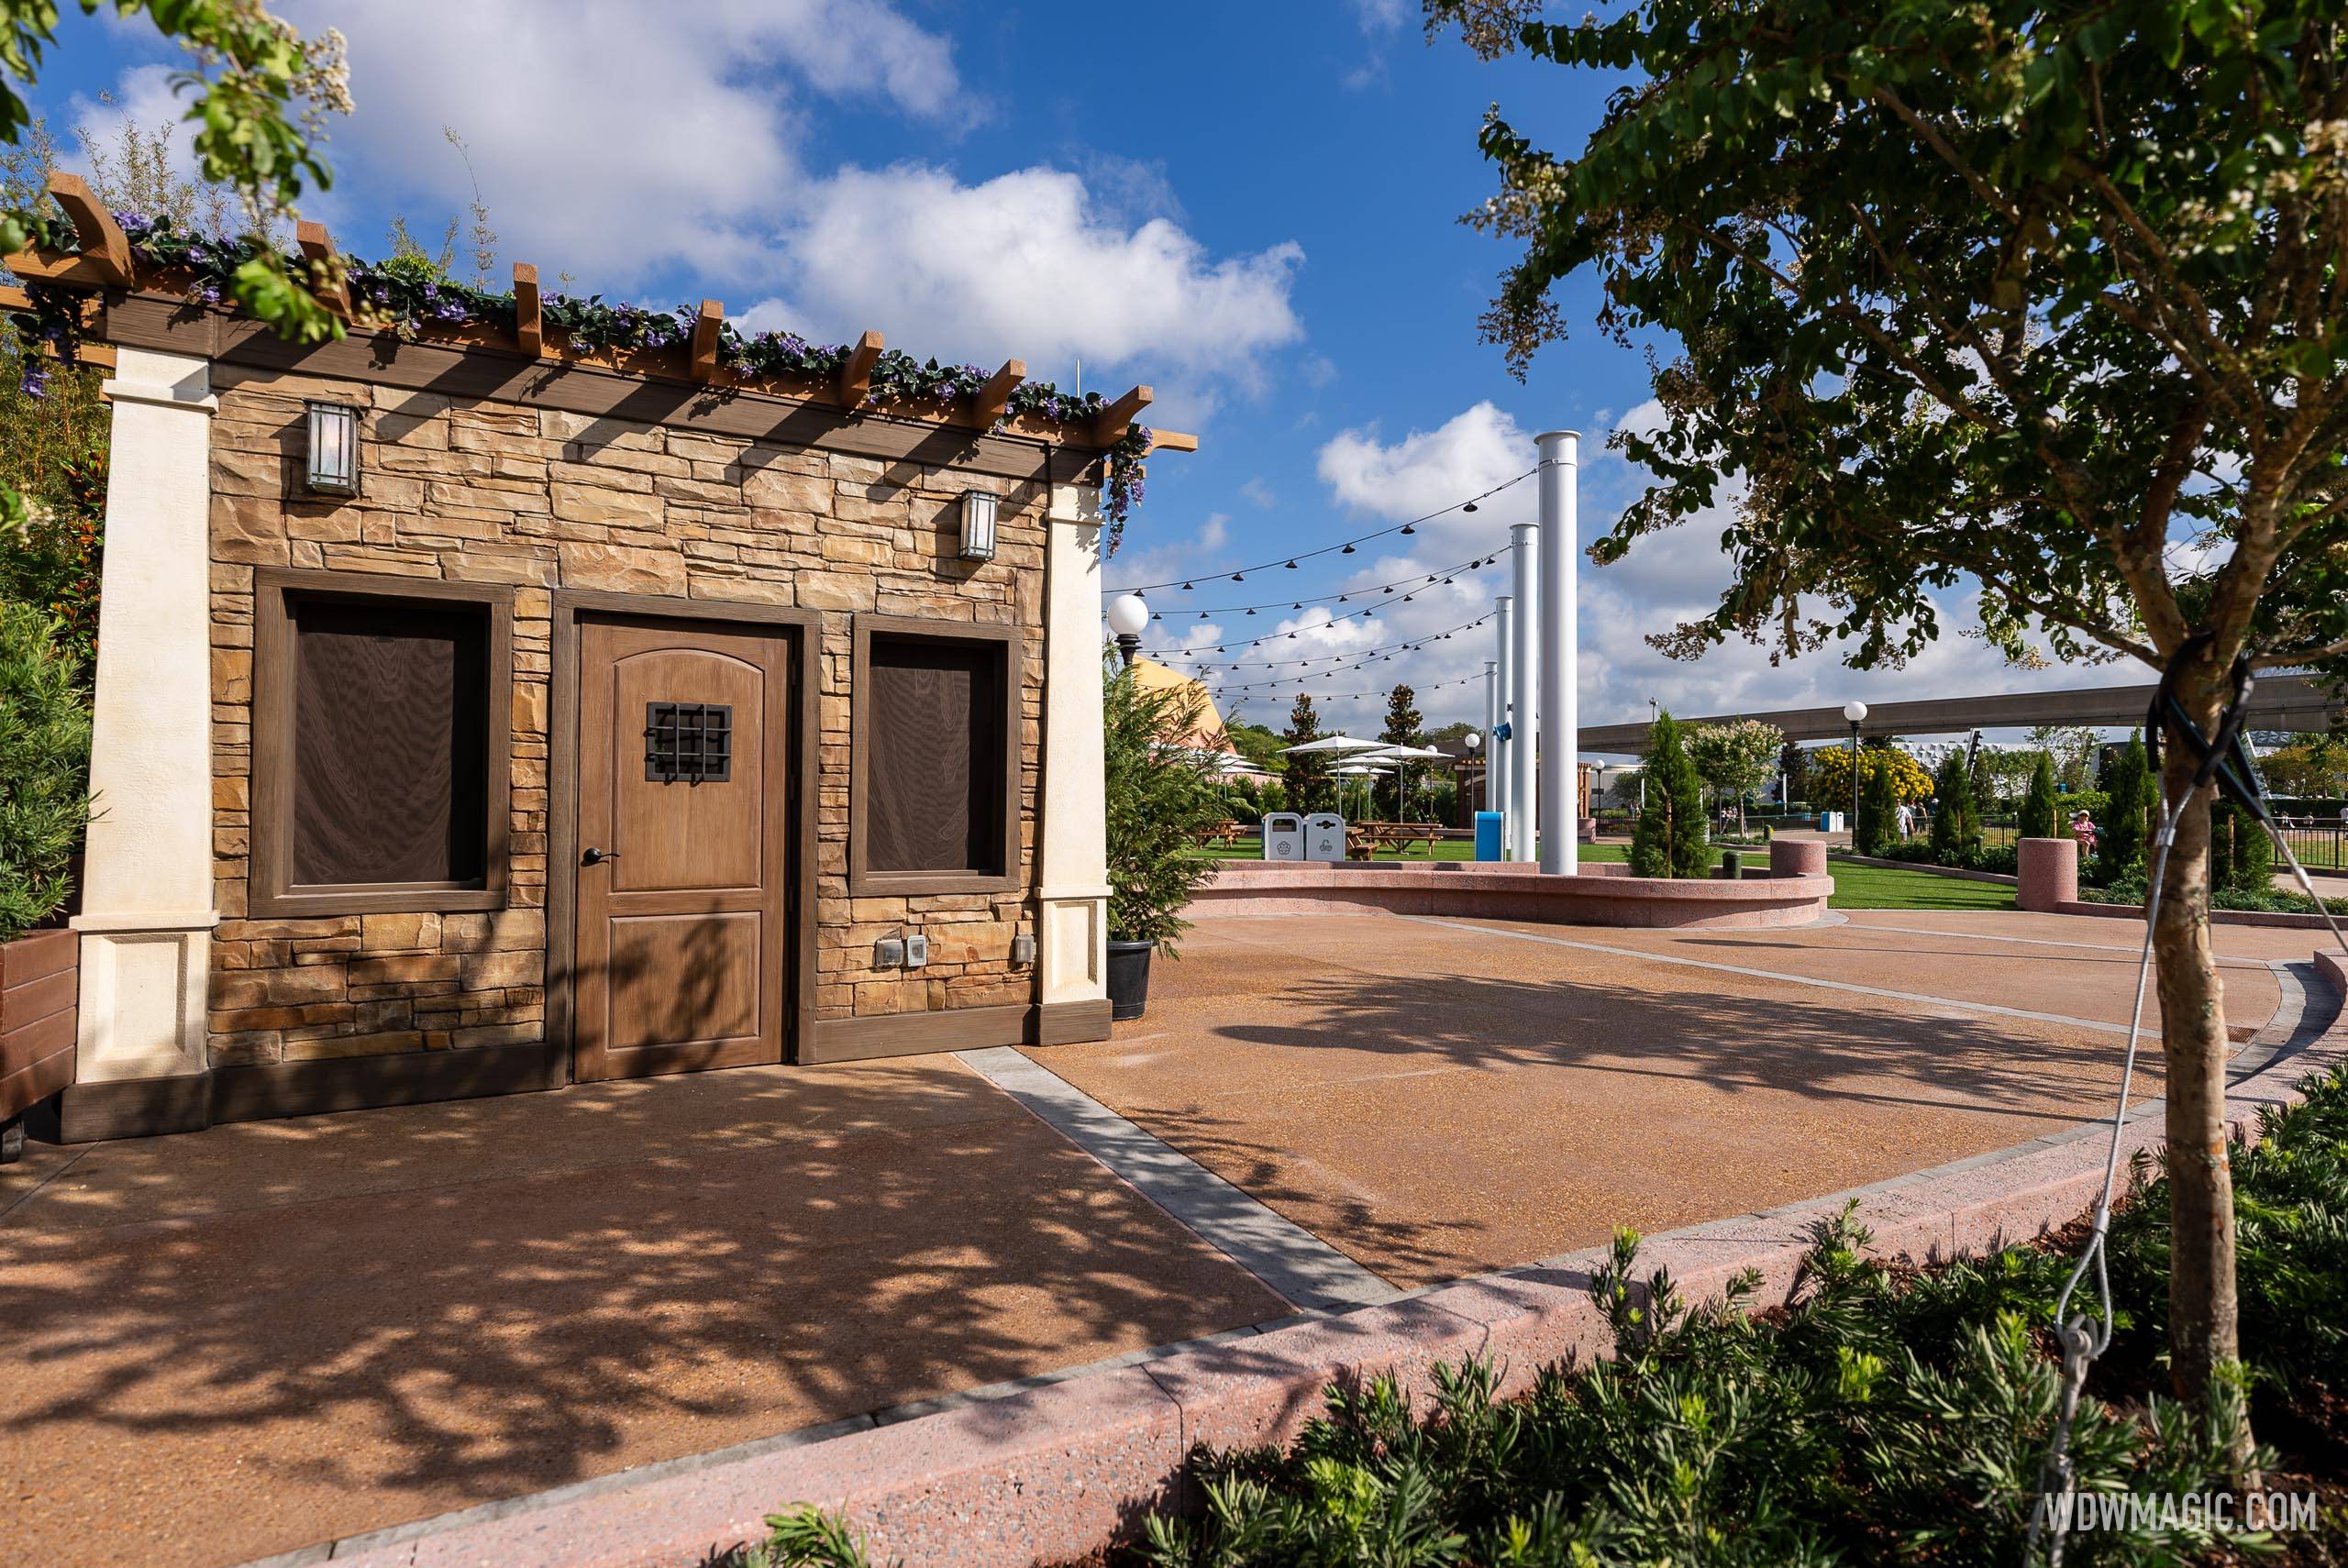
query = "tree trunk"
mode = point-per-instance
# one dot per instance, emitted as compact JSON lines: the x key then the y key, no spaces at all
{"x":2204,"y":1330}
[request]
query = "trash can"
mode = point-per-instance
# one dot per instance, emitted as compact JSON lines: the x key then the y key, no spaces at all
{"x":1488,"y":835}
{"x":1324,"y":836}
{"x":1283,"y":836}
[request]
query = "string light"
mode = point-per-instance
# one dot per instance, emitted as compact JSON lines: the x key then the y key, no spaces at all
{"x":1348,"y":546}
{"x":1406,"y":643}
{"x":1298,"y":601}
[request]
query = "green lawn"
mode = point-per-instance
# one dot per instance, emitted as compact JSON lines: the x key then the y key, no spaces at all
{"x":1856,"y":886}
{"x":1883,"y":888}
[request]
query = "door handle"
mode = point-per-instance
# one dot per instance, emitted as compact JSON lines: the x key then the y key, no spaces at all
{"x":594,"y":856}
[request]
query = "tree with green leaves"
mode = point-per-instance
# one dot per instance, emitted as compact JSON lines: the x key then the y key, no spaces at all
{"x":2123,"y":826}
{"x":2012,"y":296}
{"x":2241,"y":855}
{"x":1878,"y":823}
{"x":1306,"y":773}
{"x":1734,"y":760}
{"x":44,"y":769}
{"x":257,"y":95}
{"x":1669,"y":839}
{"x":1403,"y":721}
{"x":2310,"y":766}
{"x":1793,"y":766}
{"x":1957,"y":811}
{"x":2072,"y":750}
{"x":2041,"y":818}
{"x":1158,"y":793}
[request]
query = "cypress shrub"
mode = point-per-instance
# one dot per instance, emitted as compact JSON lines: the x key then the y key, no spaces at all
{"x":1878,"y":803}
{"x":2124,"y":824}
{"x":1956,"y":819}
{"x":2040,"y":817}
{"x":1668,"y":840}
{"x":44,"y":769}
{"x":2242,"y":855}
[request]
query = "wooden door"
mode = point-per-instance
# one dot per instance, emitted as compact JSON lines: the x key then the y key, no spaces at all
{"x":684,"y":779}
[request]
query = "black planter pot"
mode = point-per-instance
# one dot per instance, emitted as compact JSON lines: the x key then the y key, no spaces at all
{"x":1129,"y":978}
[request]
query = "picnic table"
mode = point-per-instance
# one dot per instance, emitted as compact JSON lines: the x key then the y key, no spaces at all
{"x":1225,"y":832}
{"x":1364,"y":840}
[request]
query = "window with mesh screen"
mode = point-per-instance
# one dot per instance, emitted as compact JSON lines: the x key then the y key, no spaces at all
{"x":390,"y":723}
{"x":935,"y":734}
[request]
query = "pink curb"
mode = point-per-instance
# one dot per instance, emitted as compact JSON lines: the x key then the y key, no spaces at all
{"x":2273,"y":919}
{"x":1600,"y":894}
{"x":1052,"y":1475}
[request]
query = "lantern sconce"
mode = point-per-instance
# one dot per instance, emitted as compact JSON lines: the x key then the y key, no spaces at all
{"x":333,"y":463}
{"x":978,"y":524}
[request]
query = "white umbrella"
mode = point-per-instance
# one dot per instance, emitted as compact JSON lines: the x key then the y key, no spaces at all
{"x":1335,"y":743}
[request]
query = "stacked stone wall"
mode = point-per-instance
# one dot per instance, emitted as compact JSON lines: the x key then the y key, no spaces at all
{"x":541,"y":500}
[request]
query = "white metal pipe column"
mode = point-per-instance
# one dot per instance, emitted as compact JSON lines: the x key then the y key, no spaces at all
{"x":1501,"y":749}
{"x":1560,"y":648}
{"x":1491,"y":717}
{"x":1524,"y":821}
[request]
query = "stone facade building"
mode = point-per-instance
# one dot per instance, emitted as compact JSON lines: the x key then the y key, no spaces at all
{"x":619,"y":720}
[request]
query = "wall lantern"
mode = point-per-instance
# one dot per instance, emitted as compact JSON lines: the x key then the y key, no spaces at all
{"x":334,"y":449}
{"x":978,"y":524}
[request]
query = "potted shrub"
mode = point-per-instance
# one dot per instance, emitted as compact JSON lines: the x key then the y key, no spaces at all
{"x":44,"y":808}
{"x":1158,"y":796}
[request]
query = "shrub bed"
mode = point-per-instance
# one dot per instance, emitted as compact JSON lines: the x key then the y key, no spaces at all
{"x":1889,"y":1414}
{"x":2131,"y":889}
{"x":2000,"y":858}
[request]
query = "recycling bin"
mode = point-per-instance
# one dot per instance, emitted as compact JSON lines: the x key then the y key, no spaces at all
{"x":1283,"y":835}
{"x":1324,"y":836}
{"x":1488,"y":835}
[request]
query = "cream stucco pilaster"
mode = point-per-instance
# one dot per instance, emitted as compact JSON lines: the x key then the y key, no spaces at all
{"x":1073,"y":898}
{"x":147,"y":904}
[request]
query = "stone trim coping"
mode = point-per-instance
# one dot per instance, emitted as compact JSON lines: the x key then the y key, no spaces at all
{"x":2277,"y":918}
{"x":2282,"y":918}
{"x":1513,"y":892}
{"x":1059,"y":1465}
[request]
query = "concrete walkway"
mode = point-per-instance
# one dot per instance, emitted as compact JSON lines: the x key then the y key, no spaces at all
{"x":1437,"y":1097}
{"x":227,"y":1344}
{"x":272,"y":1337}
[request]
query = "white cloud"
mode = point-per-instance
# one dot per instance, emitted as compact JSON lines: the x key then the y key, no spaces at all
{"x":1666,"y":579}
{"x":1025,"y":263}
{"x":1256,"y":491}
{"x":1427,"y":470}
{"x":611,"y":137}
{"x":615,"y":141}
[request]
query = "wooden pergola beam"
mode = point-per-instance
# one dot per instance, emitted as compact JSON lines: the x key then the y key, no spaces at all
{"x":989,"y":402}
{"x":102,"y":354}
{"x":1172,"y":441}
{"x":704,"y":352}
{"x":317,"y":249}
{"x":103,"y":241}
{"x":855,"y":376}
{"x":1119,"y":417}
{"x":529,"y":330}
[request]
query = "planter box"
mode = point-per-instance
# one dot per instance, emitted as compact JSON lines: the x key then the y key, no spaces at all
{"x":39,"y":988}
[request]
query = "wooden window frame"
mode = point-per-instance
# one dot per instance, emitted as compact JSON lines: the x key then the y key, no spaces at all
{"x":862,"y":879}
{"x":267,"y":893}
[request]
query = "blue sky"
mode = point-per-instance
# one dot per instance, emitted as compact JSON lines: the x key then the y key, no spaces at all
{"x":1252,"y":207}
